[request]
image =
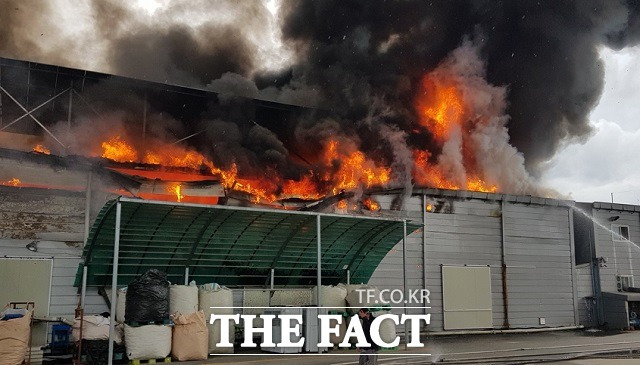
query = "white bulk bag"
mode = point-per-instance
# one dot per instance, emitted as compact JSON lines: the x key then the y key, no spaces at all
{"x":333,"y":297}
{"x":95,"y":328}
{"x":216,"y":296}
{"x":147,"y":342}
{"x":183,"y":299}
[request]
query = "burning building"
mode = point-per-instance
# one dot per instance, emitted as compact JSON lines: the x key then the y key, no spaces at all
{"x":72,"y":140}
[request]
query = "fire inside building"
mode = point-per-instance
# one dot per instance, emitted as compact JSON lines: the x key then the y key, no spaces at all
{"x":73,"y":142}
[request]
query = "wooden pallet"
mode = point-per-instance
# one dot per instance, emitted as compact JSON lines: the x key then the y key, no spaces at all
{"x":150,"y":361}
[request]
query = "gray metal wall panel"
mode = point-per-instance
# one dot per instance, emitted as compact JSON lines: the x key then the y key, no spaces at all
{"x":538,"y":255}
{"x":471,"y":236}
{"x":623,"y":257}
{"x":539,"y":265}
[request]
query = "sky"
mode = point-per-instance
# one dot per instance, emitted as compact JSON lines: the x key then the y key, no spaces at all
{"x":609,"y":161}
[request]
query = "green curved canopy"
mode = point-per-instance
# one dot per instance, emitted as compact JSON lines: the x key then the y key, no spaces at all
{"x":234,"y":245}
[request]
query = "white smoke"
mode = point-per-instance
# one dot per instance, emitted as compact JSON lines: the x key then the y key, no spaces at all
{"x":486,"y":132}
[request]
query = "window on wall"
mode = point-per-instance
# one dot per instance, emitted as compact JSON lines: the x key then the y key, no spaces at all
{"x":620,"y":232}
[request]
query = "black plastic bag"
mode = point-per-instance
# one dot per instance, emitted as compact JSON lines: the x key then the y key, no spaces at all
{"x":148,"y":298}
{"x":96,"y":352}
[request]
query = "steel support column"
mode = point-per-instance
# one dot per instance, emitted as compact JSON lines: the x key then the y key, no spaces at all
{"x":87,"y":208}
{"x":83,"y":292}
{"x":114,"y":281}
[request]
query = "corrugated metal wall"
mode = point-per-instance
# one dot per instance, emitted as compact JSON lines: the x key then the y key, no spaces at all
{"x":623,"y":258}
{"x":538,"y":249}
{"x":539,"y":260}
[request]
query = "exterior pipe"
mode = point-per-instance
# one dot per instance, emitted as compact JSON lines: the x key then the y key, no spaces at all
{"x":503,"y":257}
{"x":186,"y":275}
{"x":273,"y":275}
{"x":114,"y":282}
{"x":319,"y":288}
{"x":404,"y":277}
{"x":424,"y":245}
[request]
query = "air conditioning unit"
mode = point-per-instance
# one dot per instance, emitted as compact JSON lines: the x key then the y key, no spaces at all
{"x":624,"y":282}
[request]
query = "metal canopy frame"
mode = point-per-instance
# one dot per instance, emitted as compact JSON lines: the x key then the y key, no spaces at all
{"x":233,"y":246}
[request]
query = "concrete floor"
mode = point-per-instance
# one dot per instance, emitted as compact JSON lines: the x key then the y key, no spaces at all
{"x":557,"y":347}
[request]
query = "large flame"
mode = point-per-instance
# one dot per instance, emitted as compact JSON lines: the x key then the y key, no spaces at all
{"x":355,"y":169}
{"x":440,"y":106}
{"x":117,"y":149}
{"x":442,"y":110}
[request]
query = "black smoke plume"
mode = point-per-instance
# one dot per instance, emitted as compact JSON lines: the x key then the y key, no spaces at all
{"x":357,"y":62}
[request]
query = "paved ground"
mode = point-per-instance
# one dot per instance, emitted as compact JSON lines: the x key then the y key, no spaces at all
{"x":558,"y":347}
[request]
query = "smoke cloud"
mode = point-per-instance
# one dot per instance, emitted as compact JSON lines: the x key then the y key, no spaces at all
{"x":529,"y":71}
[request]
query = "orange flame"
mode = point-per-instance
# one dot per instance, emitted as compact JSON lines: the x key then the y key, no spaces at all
{"x":371,"y":204}
{"x":41,"y":149}
{"x":118,"y":150}
{"x":342,"y":204}
{"x":441,"y":108}
{"x":13,"y":182}
{"x":176,"y":189}
{"x":355,"y":169}
{"x":305,"y":188}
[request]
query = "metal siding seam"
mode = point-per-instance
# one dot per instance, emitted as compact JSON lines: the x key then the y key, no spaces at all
{"x":576,"y":308}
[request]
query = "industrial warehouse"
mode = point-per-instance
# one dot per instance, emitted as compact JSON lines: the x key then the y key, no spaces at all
{"x":85,"y":235}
